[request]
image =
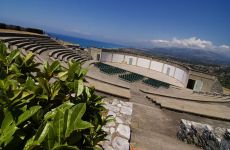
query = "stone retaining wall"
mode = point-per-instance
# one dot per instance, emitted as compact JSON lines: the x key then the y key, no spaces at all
{"x":217,"y":87}
{"x":119,"y":130}
{"x":204,"y":135}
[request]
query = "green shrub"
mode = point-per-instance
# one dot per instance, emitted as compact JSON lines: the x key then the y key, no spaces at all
{"x":48,"y":106}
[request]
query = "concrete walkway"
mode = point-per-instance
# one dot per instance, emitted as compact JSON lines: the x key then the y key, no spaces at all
{"x":216,"y":111}
{"x":151,"y":128}
{"x":109,"y":88}
{"x":154,"y":128}
{"x":183,"y":95}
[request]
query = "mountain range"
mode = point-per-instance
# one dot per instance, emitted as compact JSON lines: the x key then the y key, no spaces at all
{"x":194,"y":56}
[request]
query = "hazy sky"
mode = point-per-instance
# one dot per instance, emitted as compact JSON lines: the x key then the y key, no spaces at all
{"x":191,"y":23}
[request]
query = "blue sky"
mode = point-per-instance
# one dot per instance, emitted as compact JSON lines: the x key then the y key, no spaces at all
{"x":133,"y":22}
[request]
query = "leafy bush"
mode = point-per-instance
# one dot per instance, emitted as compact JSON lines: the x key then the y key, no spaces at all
{"x":47,"y":107}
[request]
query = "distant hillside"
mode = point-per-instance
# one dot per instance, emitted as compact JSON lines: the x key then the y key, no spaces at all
{"x":194,"y":56}
{"x":19,"y":28}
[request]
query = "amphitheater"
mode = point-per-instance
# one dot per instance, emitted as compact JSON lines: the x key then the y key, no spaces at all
{"x":162,"y":92}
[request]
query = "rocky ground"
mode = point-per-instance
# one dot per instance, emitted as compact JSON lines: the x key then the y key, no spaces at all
{"x":204,"y":135}
{"x":118,"y":130}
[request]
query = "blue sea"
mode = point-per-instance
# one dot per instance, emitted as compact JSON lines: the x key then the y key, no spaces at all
{"x":85,"y":42}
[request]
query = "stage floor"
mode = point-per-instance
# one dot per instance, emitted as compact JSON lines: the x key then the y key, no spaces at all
{"x":147,"y":73}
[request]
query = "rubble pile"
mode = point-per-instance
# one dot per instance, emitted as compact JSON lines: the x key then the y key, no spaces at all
{"x":204,"y":135}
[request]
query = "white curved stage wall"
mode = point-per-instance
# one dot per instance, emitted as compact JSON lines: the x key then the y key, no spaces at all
{"x":134,"y":60}
{"x":141,"y":62}
{"x":167,"y":69}
{"x":118,"y":58}
{"x":157,"y":66}
{"x":106,"y":57}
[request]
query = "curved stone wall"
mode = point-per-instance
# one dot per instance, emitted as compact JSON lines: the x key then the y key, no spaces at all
{"x":216,"y":87}
{"x":173,"y":71}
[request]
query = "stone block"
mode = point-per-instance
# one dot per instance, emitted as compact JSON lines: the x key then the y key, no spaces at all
{"x":126,"y":110}
{"x":120,"y":144}
{"x":123,"y":131}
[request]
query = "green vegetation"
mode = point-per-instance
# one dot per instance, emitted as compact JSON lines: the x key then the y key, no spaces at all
{"x":225,"y":81}
{"x":223,"y":75}
{"x":47,"y":107}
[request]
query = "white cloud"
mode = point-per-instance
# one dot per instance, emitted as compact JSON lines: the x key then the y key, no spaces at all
{"x":225,"y":47}
{"x":192,"y":42}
